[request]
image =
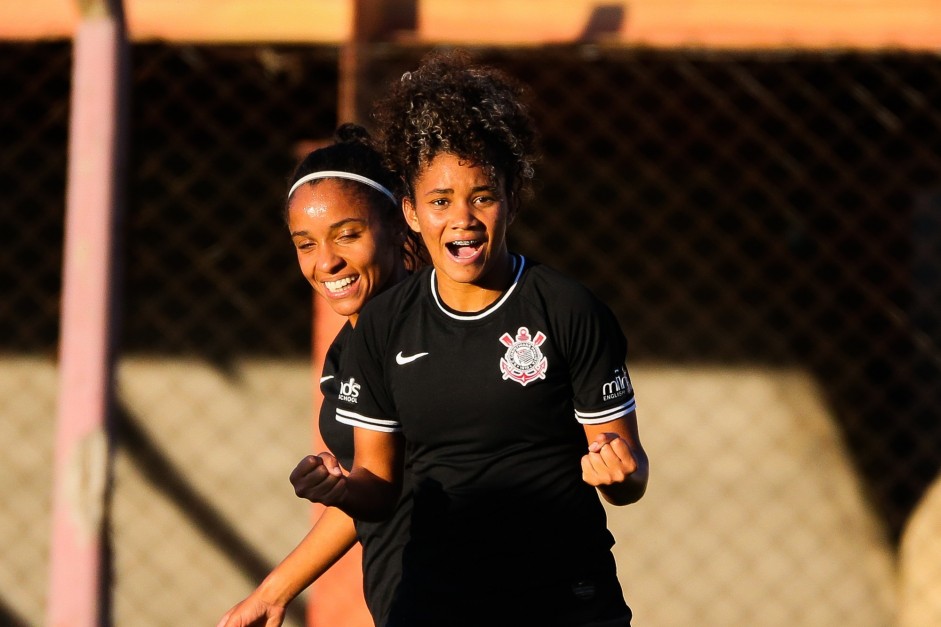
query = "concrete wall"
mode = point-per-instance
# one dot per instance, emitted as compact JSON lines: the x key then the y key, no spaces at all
{"x":754,"y":514}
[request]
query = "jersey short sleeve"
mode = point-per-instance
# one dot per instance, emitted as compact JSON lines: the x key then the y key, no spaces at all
{"x":597,"y":355}
{"x":363,"y":399}
{"x":337,"y":437}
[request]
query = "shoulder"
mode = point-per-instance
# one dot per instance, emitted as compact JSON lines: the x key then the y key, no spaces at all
{"x":559,"y":291}
{"x":395,"y":301}
{"x":336,"y":348}
{"x":342,"y":337}
{"x":399,"y":294}
{"x":575,"y":315}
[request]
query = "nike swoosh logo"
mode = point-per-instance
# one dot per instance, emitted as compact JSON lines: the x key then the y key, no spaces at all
{"x":401,"y":359}
{"x":327,"y":378}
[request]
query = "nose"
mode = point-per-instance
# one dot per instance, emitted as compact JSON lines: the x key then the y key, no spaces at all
{"x":462,"y":215}
{"x":328,"y":261}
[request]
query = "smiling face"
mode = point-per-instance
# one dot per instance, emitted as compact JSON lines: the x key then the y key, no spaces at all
{"x":462,"y":216}
{"x":344,"y":249}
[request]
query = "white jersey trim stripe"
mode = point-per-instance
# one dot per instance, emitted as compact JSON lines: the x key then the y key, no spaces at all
{"x":374,"y":424}
{"x":354,"y":416}
{"x":598,"y":417}
{"x":489,"y":310}
{"x":367,"y":425}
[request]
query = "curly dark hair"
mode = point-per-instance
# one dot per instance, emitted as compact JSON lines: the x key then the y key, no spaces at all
{"x":451,"y":105}
{"x":353,"y":151}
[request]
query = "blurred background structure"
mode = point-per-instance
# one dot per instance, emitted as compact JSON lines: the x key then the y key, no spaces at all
{"x":755,"y":189}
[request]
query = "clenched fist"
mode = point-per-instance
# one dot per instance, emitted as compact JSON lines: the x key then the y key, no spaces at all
{"x":320,"y":479}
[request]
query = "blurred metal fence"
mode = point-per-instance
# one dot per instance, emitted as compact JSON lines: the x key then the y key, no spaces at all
{"x":766,"y":225}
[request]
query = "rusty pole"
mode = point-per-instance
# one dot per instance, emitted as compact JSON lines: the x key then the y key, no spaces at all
{"x":77,"y":585}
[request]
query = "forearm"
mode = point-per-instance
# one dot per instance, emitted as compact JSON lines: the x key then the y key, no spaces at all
{"x":369,"y":497}
{"x":371,"y":490}
{"x":328,"y":540}
{"x":616,"y":462}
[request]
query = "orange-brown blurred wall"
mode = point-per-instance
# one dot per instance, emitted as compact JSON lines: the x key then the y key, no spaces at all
{"x":910,"y":24}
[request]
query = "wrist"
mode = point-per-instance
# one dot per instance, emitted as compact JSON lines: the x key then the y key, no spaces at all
{"x":275,"y":590}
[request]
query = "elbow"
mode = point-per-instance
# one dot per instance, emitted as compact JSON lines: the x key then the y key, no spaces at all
{"x":378,"y":507}
{"x":375,"y":514}
{"x":369,"y":499}
{"x":623,"y":496}
{"x":631,"y":490}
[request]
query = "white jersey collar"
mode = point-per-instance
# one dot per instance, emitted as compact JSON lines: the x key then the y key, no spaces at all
{"x":519,"y":262}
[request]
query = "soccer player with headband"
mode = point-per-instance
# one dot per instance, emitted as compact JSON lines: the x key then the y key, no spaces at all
{"x":352,"y":243}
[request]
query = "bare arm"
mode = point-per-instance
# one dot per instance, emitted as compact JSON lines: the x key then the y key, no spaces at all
{"x":370,"y":490}
{"x":616,"y":463}
{"x":328,"y":540}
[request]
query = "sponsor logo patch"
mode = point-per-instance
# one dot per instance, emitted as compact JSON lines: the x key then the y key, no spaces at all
{"x":620,"y":386}
{"x":523,"y":361}
{"x":349,"y":391}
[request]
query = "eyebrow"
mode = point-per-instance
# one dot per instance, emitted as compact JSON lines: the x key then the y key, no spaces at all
{"x":448,"y":190}
{"x":346,"y":221}
{"x":333,"y":227}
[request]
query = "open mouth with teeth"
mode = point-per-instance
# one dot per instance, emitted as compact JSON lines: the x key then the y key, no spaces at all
{"x":464,"y":249}
{"x":341,"y":286}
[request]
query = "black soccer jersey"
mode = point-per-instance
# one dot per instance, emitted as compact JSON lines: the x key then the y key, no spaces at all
{"x":338,"y":437}
{"x":491,"y":405}
{"x":382,"y":542}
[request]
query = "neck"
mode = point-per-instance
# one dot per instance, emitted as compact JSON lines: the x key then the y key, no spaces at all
{"x":471,"y":297}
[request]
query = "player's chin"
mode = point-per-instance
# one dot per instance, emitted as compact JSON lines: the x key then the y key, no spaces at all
{"x":345,"y":308}
{"x":469,"y":276}
{"x":470,"y":268}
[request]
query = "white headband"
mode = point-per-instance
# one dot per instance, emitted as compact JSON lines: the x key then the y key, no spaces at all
{"x":337,"y":174}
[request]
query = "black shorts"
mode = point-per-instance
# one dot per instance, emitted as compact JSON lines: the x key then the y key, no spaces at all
{"x":590,"y":599}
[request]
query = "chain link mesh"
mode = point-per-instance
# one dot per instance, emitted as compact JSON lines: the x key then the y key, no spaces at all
{"x":35,"y":82}
{"x":764,"y":224}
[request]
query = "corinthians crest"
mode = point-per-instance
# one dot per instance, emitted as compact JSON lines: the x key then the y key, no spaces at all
{"x":523,"y":361}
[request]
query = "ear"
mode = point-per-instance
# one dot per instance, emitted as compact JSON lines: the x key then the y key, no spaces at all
{"x":411,"y":216}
